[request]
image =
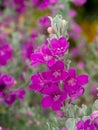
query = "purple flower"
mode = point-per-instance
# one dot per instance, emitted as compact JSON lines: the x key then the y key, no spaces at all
{"x":86,"y":125}
{"x":57,"y":72}
{"x":45,"y":22}
{"x":94,"y":90}
{"x":40,"y":4}
{"x":74,"y":84}
{"x":19,"y":5}
{"x":27,"y":49}
{"x":2,"y":128}
{"x":59,"y":46}
{"x":59,"y":114}
{"x":44,"y":56}
{"x":72,"y":13}
{"x":5,"y":53}
{"x":8,"y":95}
{"x":54,"y":98}
{"x":81,"y":65}
{"x":53,"y":2}
{"x":20,"y":93}
{"x":39,"y":82}
{"x":63,"y":128}
{"x":43,"y":4}
{"x":75,"y":30}
{"x":79,"y":2}
{"x":6,"y":81}
{"x":9,"y":98}
{"x":94,"y":118}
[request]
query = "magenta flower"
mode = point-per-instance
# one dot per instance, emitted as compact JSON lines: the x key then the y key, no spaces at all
{"x":54,"y":98}
{"x":9,"y":98}
{"x":8,"y":95}
{"x":44,"y":56}
{"x":74,"y":84}
{"x":58,"y":72}
{"x":94,"y":90}
{"x":75,"y":30}
{"x":6,"y":81}
{"x":5,"y":53}
{"x":59,"y":46}
{"x":40,"y":4}
{"x":27,"y":49}
{"x":53,"y":2}
{"x":59,"y":114}
{"x":20,"y":93}
{"x":45,"y":22}
{"x":19,"y":6}
{"x":72,"y":13}
{"x":86,"y":125}
{"x":63,"y":128}
{"x":43,"y":4}
{"x":79,"y":2}
{"x":39,"y":82}
{"x":94,"y":118}
{"x":13,"y":95}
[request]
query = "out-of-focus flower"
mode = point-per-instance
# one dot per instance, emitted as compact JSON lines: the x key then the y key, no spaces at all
{"x":5,"y":53}
{"x":94,"y":90}
{"x":20,"y":5}
{"x":81,"y":65}
{"x":45,"y":22}
{"x":79,"y":2}
{"x":72,"y":13}
{"x":7,"y":94}
{"x":63,"y":128}
{"x":59,"y":114}
{"x":94,"y":115}
{"x":75,"y":30}
{"x":43,"y":4}
{"x":27,"y":49}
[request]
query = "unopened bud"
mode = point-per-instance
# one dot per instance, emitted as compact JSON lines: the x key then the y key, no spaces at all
{"x":50,"y":30}
{"x":64,"y":22}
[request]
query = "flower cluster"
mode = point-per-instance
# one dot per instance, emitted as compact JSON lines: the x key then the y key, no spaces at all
{"x":5,"y":52}
{"x":7,"y":94}
{"x":27,"y":49}
{"x":56,"y":83}
{"x":43,"y":4}
{"x":18,"y":5}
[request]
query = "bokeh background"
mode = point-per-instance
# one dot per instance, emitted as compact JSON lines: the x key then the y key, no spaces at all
{"x":23,"y":28}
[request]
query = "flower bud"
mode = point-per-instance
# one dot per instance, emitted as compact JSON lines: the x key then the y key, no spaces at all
{"x":64,"y":22}
{"x":50,"y":30}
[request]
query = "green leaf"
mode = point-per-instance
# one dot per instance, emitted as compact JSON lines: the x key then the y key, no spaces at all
{"x":70,"y":124}
{"x":95,"y":106}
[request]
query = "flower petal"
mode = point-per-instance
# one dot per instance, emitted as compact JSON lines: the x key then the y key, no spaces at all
{"x":83,"y":79}
{"x":46,"y":102}
{"x":56,"y":106}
